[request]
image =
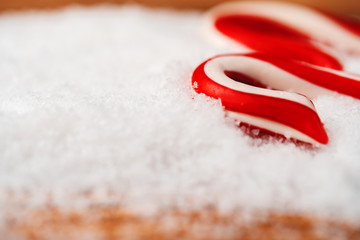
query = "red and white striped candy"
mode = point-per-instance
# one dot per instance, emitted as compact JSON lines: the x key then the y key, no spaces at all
{"x":276,"y":23}
{"x":286,"y":57}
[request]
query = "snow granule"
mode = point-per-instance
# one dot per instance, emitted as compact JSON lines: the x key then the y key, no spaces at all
{"x":99,"y":100}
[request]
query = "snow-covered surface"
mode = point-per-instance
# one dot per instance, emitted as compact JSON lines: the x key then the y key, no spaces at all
{"x":97,"y":101}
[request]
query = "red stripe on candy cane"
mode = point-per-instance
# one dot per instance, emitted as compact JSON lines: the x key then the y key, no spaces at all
{"x":289,"y":55}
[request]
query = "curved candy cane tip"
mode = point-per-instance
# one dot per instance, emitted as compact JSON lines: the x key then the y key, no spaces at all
{"x":314,"y":24}
{"x":287,"y":114}
{"x":279,"y":131}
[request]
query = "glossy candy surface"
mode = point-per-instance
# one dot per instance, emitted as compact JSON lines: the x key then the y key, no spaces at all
{"x":286,"y":54}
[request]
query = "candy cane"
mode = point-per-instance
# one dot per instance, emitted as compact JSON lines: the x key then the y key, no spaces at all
{"x":288,"y":58}
{"x":237,"y":21}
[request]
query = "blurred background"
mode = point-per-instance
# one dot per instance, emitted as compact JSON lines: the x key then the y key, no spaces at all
{"x":337,"y":6}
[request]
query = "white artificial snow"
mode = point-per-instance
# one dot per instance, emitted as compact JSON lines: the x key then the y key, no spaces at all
{"x":98,"y":101}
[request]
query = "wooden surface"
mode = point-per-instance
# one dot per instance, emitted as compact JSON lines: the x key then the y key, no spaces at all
{"x":344,"y":6}
{"x":112,"y":223}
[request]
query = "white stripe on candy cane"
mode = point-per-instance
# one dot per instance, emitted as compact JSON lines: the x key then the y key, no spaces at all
{"x":273,"y":126}
{"x":266,"y":73}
